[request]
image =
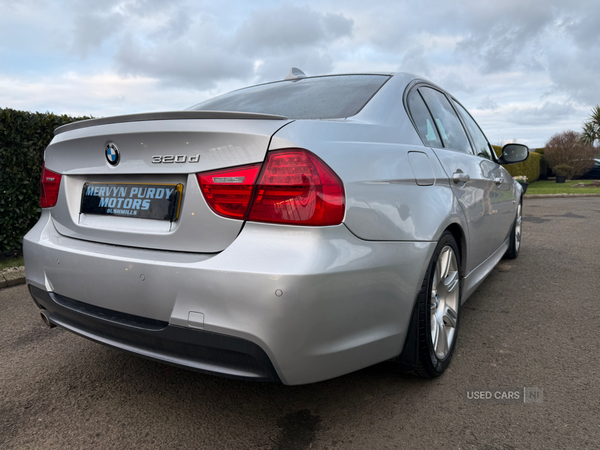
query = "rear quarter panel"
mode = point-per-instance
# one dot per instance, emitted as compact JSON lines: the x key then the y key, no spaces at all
{"x":383,"y":200}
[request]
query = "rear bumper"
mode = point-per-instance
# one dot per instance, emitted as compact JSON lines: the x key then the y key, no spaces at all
{"x":318,"y":302}
{"x":185,"y":347}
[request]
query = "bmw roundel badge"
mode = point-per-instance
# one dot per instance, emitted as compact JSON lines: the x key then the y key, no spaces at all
{"x":112,"y":154}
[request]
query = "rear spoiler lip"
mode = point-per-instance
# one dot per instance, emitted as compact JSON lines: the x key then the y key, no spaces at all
{"x":166,"y":115}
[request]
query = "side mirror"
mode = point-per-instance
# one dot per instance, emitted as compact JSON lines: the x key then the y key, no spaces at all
{"x":514,"y":153}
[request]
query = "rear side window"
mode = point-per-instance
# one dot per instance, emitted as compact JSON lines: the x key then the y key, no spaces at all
{"x":328,"y":97}
{"x":482,"y":146}
{"x":451,"y":130}
{"x":423,"y":120}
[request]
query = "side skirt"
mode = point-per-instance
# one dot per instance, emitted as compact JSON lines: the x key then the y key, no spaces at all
{"x":477,"y":275}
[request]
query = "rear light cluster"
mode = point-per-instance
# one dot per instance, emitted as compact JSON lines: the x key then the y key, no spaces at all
{"x":49,"y":186}
{"x":293,"y":187}
{"x":229,"y":191}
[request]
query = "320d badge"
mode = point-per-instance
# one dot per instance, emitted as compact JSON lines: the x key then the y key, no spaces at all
{"x":178,"y":159}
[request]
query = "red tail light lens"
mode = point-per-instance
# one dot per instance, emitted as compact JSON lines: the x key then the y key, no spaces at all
{"x":296,"y":187}
{"x":228,"y":192}
{"x":49,"y":187}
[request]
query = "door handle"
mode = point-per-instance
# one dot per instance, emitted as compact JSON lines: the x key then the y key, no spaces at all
{"x":498,"y":181}
{"x":460,"y":177}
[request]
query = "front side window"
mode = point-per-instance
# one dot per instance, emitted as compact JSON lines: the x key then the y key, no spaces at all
{"x":482,"y":146}
{"x":423,"y":120}
{"x":451,"y":130}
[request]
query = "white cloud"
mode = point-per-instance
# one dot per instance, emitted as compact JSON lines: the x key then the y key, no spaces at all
{"x":525,"y":68}
{"x":98,"y":95}
{"x":288,"y":27}
{"x":488,"y":103}
{"x":548,"y":113}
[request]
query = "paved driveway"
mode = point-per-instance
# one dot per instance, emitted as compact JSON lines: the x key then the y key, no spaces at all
{"x":534,"y":322}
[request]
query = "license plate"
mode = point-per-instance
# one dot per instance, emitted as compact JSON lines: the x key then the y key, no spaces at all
{"x":142,"y":201}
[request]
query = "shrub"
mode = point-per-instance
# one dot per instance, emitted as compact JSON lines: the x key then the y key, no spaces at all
{"x":23,"y":138}
{"x":530,"y":168}
{"x":545,"y":171}
{"x":567,"y":148}
{"x":564,"y":170}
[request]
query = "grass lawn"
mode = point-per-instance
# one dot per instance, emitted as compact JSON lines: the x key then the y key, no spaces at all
{"x":552,"y":187}
{"x":11,"y":262}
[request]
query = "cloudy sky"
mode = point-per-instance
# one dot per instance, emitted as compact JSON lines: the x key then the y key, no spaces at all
{"x":526,"y":69}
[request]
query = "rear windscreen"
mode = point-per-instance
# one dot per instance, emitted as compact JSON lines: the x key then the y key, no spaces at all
{"x":327,"y":97}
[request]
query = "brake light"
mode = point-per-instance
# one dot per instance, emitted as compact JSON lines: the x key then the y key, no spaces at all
{"x":297,"y":187}
{"x":228,"y":192}
{"x":294,"y":187}
{"x":49,"y":187}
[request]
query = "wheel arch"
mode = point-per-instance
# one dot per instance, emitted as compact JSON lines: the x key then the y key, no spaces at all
{"x":461,"y":240}
{"x":408,"y":359}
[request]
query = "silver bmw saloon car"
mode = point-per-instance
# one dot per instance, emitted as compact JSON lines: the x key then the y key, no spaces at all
{"x":292,"y":231}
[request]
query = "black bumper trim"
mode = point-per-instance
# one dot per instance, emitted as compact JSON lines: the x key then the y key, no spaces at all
{"x":107,"y":314}
{"x":198,"y":350}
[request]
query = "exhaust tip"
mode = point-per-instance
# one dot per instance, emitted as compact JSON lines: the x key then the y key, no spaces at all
{"x":46,"y":319}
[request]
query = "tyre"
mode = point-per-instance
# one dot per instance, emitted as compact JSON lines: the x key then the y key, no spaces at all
{"x":439,"y":309}
{"x":515,"y":235}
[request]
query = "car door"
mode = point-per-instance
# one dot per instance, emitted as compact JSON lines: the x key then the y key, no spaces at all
{"x":504,"y":206}
{"x":471,"y":177}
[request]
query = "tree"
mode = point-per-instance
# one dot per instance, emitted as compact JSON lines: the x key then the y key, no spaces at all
{"x":591,"y":128}
{"x":568,"y":148}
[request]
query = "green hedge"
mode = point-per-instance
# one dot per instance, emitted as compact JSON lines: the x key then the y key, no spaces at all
{"x":23,"y":139}
{"x":529,"y":168}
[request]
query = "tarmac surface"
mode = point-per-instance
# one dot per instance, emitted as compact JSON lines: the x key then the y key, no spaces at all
{"x":535,"y":322}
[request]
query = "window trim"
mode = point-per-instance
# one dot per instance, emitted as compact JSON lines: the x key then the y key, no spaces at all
{"x":415,"y":85}
{"x":492,"y":151}
{"x":410,"y":115}
{"x":449,"y":99}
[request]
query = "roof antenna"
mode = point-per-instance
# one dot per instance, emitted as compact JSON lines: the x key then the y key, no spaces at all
{"x":295,"y":74}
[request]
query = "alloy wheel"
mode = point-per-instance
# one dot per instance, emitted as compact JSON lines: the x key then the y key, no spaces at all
{"x":444,"y":302}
